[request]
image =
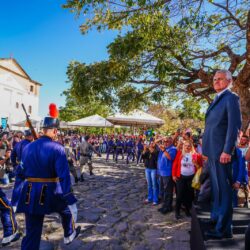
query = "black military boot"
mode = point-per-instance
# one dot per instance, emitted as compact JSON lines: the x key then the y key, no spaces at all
{"x":76,"y":180}
{"x":81,"y":178}
{"x":177,"y":215}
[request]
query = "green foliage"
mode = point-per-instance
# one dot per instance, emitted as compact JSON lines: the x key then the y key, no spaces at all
{"x":174,"y":119}
{"x":75,"y":110}
{"x":191,"y":109}
{"x":165,"y":47}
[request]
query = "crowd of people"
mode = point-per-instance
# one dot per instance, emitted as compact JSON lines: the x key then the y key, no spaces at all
{"x":175,"y":163}
{"x":200,"y":167}
{"x":170,"y":163}
{"x":126,"y":147}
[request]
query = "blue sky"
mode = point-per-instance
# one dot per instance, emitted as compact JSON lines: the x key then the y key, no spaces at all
{"x":43,"y":37}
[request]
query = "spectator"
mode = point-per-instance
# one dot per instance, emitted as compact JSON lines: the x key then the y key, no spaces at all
{"x":247,"y":156}
{"x":165,"y":162}
{"x":184,"y":168}
{"x":71,"y":159}
{"x":239,"y":173}
{"x":149,"y":155}
{"x":243,"y":146}
{"x":16,"y":139}
{"x":7,"y":168}
{"x":3,"y":145}
{"x":204,"y":195}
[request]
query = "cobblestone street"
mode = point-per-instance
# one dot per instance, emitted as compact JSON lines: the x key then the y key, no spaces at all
{"x":112,"y":215}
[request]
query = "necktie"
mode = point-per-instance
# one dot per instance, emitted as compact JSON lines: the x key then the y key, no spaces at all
{"x":215,"y":99}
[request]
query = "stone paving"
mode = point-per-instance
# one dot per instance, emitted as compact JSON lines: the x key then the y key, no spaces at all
{"x":113,"y":217}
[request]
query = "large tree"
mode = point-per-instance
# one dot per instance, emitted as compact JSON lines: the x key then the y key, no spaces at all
{"x":165,"y":47}
{"x":75,"y":110}
{"x":188,"y":116}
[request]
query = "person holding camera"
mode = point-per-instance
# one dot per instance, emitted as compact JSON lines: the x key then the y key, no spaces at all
{"x":165,"y":161}
{"x":7,"y":166}
{"x":150,"y":156}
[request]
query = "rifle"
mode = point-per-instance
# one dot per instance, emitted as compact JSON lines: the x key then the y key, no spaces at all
{"x":29,"y":123}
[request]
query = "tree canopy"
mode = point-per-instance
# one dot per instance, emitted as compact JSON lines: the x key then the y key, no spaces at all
{"x":75,"y":110}
{"x":183,"y":118}
{"x":165,"y":48}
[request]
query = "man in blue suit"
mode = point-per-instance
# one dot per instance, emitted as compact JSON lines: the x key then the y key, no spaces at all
{"x":223,"y":122}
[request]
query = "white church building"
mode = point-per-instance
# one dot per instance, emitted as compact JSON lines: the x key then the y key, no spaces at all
{"x":16,"y":87}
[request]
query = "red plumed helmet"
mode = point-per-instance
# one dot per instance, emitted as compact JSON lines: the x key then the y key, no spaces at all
{"x":53,"y":111}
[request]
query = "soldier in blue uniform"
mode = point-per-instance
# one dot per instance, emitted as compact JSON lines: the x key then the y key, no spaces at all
{"x":130,"y":149}
{"x":119,"y":149}
{"x":47,"y":187}
{"x":16,"y":156}
{"x":110,"y":148}
{"x":10,"y":231}
{"x":139,"y":151}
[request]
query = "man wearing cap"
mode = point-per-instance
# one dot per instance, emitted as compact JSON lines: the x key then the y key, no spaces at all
{"x":47,"y":187}
{"x":16,"y":156}
{"x":86,"y":150}
{"x":139,"y":148}
{"x":130,"y":149}
{"x":119,"y":149}
{"x":110,"y":148}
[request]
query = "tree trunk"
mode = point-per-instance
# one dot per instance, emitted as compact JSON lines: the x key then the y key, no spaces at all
{"x":244,"y":94}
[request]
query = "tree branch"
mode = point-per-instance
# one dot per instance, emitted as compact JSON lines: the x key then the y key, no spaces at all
{"x":128,"y":11}
{"x":193,"y":90}
{"x":158,"y":83}
{"x":226,"y":8}
{"x":147,"y":91}
{"x":244,"y":74}
{"x":206,"y":56}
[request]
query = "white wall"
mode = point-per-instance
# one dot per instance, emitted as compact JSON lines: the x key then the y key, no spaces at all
{"x":13,"y":91}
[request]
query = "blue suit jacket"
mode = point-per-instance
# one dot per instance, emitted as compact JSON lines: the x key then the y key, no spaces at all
{"x":223,"y":122}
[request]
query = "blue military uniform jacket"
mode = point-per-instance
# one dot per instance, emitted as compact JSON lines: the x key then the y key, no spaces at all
{"x":111,"y":144}
{"x":140,"y":146}
{"x":119,"y":145}
{"x":16,"y":154}
{"x":47,"y":186}
{"x":130,"y":146}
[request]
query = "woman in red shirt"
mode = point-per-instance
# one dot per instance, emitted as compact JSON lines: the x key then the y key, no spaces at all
{"x":186,"y":163}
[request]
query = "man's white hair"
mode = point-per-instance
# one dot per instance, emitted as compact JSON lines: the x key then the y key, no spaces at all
{"x":228,"y":75}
